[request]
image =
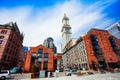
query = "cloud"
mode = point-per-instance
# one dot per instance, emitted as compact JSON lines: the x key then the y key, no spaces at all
{"x":38,"y":24}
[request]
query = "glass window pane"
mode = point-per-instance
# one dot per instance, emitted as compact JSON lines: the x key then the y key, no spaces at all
{"x":34,"y":54}
{"x":40,"y":51}
{"x":39,"y":55}
{"x":45,"y":59}
{"x":1,"y":41}
{"x":39,"y":59}
{"x":45,"y":65}
{"x":46,"y":55}
{"x":33,"y":57}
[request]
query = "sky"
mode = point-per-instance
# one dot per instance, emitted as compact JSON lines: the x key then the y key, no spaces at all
{"x":40,"y":19}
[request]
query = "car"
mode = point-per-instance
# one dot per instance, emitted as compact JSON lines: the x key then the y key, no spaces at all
{"x":68,"y":73}
{"x":74,"y":71}
{"x":15,"y":70}
{"x":5,"y":74}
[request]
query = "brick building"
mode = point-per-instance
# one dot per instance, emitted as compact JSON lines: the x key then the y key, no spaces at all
{"x":102,"y":48}
{"x":10,"y":45}
{"x":44,"y":56}
{"x":97,"y":47}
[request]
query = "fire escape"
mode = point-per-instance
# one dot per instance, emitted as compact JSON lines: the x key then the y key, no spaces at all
{"x":97,"y":51}
{"x":115,"y":49}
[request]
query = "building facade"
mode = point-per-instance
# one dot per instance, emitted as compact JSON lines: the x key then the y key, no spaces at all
{"x":24,"y":50}
{"x":71,"y":43}
{"x":10,"y":45}
{"x":66,"y":32}
{"x":97,"y":47}
{"x":49,"y":43}
{"x":44,"y":56}
{"x":76,"y":56}
{"x":114,"y":29}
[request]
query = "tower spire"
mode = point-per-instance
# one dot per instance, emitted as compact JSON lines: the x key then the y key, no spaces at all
{"x":66,"y":31}
{"x":65,"y":17}
{"x":64,"y":14}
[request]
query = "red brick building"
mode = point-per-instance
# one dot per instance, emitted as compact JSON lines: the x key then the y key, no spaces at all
{"x":10,"y":45}
{"x":44,"y":56}
{"x":102,"y":48}
{"x":95,"y":49}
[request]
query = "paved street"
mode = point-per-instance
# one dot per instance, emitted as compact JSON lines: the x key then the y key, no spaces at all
{"x":25,"y":76}
{"x":107,"y":76}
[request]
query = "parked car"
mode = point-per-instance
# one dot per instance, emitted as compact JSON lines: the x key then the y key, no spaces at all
{"x":15,"y":70}
{"x":74,"y":71}
{"x":4,"y":74}
{"x":68,"y":73}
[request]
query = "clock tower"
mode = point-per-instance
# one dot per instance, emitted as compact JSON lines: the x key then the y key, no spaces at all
{"x":66,"y":32}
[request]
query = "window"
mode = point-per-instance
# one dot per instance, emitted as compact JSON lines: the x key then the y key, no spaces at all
{"x":45,"y":65}
{"x":8,"y":44}
{"x":33,"y":57}
{"x":117,"y":35}
{"x":1,"y":37}
{"x":67,"y":30}
{"x":1,"y":41}
{"x":4,"y":31}
{"x":4,"y":72}
{"x":40,"y":53}
{"x":45,"y":60}
{"x":4,"y":57}
{"x":46,"y":55}
{"x":8,"y":58}
{"x":39,"y":59}
{"x":7,"y":50}
{"x":33,"y":54}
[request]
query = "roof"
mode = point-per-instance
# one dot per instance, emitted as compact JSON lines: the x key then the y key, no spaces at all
{"x":95,"y":29}
{"x":12,"y":26}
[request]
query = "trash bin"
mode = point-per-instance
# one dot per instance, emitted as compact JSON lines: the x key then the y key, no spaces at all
{"x":48,"y":74}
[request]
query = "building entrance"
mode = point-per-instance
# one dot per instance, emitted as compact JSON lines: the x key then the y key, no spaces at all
{"x":102,"y":65}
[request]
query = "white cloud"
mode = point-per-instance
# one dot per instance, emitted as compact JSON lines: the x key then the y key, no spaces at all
{"x":47,"y":22}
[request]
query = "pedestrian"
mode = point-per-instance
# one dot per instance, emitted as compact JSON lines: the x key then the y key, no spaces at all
{"x":51,"y":74}
{"x":20,"y":70}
